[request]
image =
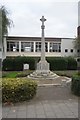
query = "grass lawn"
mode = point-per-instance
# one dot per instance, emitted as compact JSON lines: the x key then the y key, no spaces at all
{"x":14,"y":74}
{"x":9,"y":74}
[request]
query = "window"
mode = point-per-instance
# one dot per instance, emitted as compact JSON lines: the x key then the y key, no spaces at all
{"x":55,"y":47}
{"x":13,"y":46}
{"x":71,"y":50}
{"x":78,"y":50}
{"x":38,"y":46}
{"x":27,"y":46}
{"x":46,"y":47}
{"x":66,"y":50}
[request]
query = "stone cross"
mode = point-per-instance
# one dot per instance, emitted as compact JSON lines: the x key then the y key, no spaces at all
{"x":42,"y":39}
{"x":43,"y":65}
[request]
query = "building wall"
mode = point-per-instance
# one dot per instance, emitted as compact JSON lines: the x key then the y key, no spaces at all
{"x":67,"y":44}
{"x":33,"y":54}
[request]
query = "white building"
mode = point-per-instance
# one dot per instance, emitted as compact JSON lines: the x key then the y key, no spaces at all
{"x":31,"y":46}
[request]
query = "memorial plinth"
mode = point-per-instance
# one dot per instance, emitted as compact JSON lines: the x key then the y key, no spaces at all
{"x":42,"y":70}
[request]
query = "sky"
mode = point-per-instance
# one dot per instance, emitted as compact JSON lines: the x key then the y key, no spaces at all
{"x":62,"y":17}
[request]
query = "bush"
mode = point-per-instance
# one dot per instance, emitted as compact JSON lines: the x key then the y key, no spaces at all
{"x":57,"y":63}
{"x":16,"y":63}
{"x":17,"y":90}
{"x":75,"y":85}
{"x":72,"y":63}
{"x":8,"y":64}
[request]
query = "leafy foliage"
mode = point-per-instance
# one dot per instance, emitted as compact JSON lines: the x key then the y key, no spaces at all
{"x":6,"y":22}
{"x":16,"y":64}
{"x":75,"y":85}
{"x":77,"y":47}
{"x":17,"y":90}
{"x":56,"y":63}
{"x":77,"y":42}
{"x":71,"y":63}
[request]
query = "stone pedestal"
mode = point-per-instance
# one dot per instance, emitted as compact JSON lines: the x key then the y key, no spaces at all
{"x":43,"y":75}
{"x":43,"y":66}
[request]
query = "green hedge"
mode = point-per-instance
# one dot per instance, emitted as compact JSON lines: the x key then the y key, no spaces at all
{"x":72,"y":64}
{"x":16,"y":63}
{"x":56,"y":63}
{"x":75,"y":85}
{"x":17,"y":90}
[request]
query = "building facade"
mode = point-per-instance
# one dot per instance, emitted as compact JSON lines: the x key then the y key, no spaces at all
{"x":31,"y":46}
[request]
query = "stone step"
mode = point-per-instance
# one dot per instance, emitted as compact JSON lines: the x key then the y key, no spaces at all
{"x":41,"y":77}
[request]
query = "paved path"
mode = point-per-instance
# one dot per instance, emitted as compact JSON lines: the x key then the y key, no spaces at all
{"x":59,"y":80}
{"x":49,"y":102}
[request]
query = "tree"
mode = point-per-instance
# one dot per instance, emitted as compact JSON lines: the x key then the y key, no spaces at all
{"x":6,"y":21}
{"x":77,"y":47}
{"x":77,"y":42}
{"x":6,"y":24}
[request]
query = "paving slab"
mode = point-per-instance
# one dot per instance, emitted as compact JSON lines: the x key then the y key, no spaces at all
{"x":49,"y":102}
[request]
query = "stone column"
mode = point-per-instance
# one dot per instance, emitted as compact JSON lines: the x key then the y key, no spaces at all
{"x":48,"y":46}
{"x":34,"y":46}
{"x":42,"y":71}
{"x":43,"y":40}
{"x":43,"y":65}
{"x":20,"y":47}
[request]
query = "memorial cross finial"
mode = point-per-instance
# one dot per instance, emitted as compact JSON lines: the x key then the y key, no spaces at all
{"x":42,"y":20}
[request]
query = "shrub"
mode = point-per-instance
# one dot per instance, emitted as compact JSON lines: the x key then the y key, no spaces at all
{"x":8,"y":64}
{"x":57,"y":63}
{"x":16,"y":63}
{"x":17,"y":90}
{"x":75,"y":85}
{"x":72,"y":63}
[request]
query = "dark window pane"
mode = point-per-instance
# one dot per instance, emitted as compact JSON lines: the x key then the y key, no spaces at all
{"x":66,"y":50}
{"x":71,"y":50}
{"x":78,"y":50}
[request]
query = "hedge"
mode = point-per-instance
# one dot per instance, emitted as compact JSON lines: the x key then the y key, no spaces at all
{"x":75,"y":85}
{"x":56,"y":63}
{"x":17,"y":90}
{"x":72,"y":64}
{"x":16,"y":63}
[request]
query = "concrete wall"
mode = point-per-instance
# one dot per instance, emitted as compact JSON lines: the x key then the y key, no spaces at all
{"x":33,"y":54}
{"x":67,"y":44}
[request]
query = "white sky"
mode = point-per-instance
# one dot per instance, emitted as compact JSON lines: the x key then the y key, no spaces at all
{"x":62,"y":17}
